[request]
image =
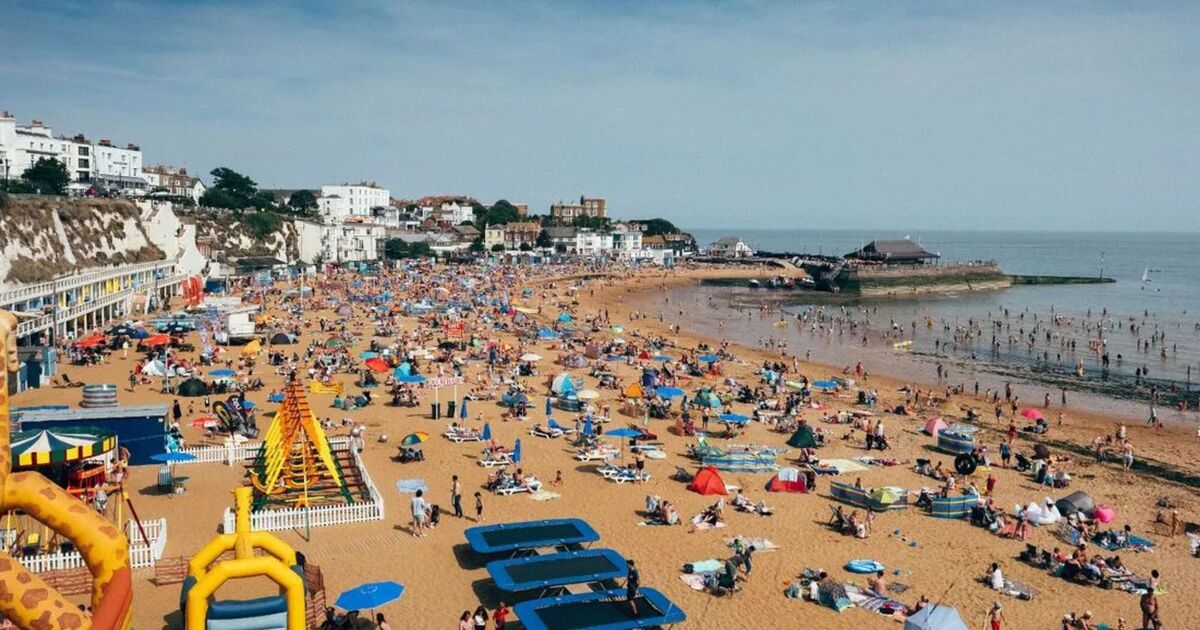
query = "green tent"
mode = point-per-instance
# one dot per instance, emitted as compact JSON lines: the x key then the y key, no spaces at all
{"x":802,"y":438}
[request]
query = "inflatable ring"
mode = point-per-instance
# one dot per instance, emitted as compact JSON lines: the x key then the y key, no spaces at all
{"x":965,"y":464}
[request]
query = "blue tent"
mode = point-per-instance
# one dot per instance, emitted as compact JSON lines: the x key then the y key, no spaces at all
{"x":669,"y":392}
{"x":935,"y":618}
{"x":564,"y":318}
{"x":404,"y":369}
{"x":410,"y":378}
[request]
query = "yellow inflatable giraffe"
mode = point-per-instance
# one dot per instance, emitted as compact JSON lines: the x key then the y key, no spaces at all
{"x":25,"y":599}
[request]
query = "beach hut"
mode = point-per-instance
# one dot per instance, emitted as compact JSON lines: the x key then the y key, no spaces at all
{"x":934,"y":426}
{"x":788,"y":480}
{"x":802,"y":438}
{"x":936,"y":617}
{"x":192,"y":387}
{"x":955,"y":443}
{"x":707,"y":481}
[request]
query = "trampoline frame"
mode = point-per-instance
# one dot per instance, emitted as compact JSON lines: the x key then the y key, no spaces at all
{"x":499,"y":570}
{"x":528,"y":612}
{"x":476,"y":536}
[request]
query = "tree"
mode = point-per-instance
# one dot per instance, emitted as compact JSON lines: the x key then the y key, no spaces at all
{"x":262,"y":224}
{"x":395,"y":249}
{"x":526,"y":247}
{"x":543,"y":239}
{"x":48,"y":176}
{"x":498,"y":247}
{"x":595,"y":223}
{"x":420,"y":249}
{"x":476,"y":246}
{"x":501,"y":213}
{"x":303,"y":202}
{"x":658,"y":227}
{"x":263,"y":200}
{"x":234,"y":191}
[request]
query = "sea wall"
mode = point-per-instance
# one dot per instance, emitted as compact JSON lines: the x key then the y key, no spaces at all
{"x":916,"y":280}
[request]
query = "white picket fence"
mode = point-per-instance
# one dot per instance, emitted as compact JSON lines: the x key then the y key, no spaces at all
{"x":227,"y":454}
{"x":141,"y":555}
{"x":273,"y":519}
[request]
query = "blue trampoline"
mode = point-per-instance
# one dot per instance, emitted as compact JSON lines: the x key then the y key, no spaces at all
{"x":513,"y":537}
{"x":603,"y":610}
{"x":587,"y":566}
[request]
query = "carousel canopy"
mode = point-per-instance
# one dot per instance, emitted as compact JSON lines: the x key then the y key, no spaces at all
{"x":38,"y":448}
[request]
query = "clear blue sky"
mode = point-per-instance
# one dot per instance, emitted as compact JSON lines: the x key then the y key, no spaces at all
{"x":731,"y":114}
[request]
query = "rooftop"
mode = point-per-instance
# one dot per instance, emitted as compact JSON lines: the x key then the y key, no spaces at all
{"x":893,"y":250}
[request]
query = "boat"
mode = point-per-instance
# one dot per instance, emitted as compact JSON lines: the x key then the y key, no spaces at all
{"x":755,"y":284}
{"x":1146,"y":275}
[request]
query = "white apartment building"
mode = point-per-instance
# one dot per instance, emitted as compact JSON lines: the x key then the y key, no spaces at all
{"x":77,"y":155}
{"x":592,"y":243}
{"x":627,"y":241}
{"x":22,"y":146}
{"x":118,"y":167}
{"x":351,"y":241}
{"x":338,"y":203}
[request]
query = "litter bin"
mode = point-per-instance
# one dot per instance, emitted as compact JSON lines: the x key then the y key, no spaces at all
{"x":450,"y":405}
{"x":435,"y":410}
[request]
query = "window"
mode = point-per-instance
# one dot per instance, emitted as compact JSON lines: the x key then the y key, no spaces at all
{"x":83,"y":151}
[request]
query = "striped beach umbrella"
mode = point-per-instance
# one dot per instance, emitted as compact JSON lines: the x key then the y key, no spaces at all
{"x":41,"y":447}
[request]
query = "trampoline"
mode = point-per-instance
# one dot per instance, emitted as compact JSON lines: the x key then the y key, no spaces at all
{"x":513,"y":537}
{"x":603,"y":610}
{"x":557,"y":569}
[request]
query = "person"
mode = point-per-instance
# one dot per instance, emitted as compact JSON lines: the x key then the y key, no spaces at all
{"x":632,"y":579}
{"x":500,"y":616}
{"x":995,"y":577}
{"x":478,"y":506}
{"x":464,"y":622}
{"x":176,"y":411}
{"x":381,"y":623}
{"x":419,"y":506}
{"x":456,"y":495}
{"x":639,"y":462}
{"x":1149,"y":605}
{"x":1126,"y":455}
{"x":558,"y":479}
{"x":995,"y":616}
{"x":878,"y":583}
{"x":480,"y":618}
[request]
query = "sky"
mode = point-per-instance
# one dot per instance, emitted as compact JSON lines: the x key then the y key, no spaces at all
{"x":739,"y":114}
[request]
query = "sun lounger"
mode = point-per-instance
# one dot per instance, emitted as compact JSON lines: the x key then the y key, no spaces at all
{"x":512,"y":537}
{"x":601,"y":454}
{"x":621,"y":475}
{"x":545,"y":432}
{"x":531,"y":485}
{"x":553,"y":424}
{"x":488,"y":460}
{"x":458,"y":437}
{"x":603,"y":609}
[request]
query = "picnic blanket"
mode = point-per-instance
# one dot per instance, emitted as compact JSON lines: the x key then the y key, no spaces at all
{"x":843,"y":466}
{"x":410,"y":486}
{"x":1135,"y":543}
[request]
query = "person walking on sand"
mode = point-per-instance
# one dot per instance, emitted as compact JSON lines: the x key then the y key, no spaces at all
{"x":995,"y":617}
{"x":419,"y":507}
{"x":632,"y":580}
{"x":456,"y":496}
{"x":478,"y":507}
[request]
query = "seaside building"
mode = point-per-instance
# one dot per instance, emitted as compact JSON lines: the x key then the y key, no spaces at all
{"x":337,"y":203}
{"x":118,"y":168}
{"x":21,"y":146}
{"x":595,"y":207}
{"x":102,"y":163}
{"x":730,"y":247}
{"x":175,"y":181}
{"x":76,"y":154}
{"x":627,"y":241}
{"x":355,"y":240}
{"x":894,"y":252}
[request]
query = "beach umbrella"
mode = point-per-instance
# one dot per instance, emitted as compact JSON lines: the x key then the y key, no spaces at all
{"x":334,"y":342}
{"x":669,"y":392}
{"x":121,"y":330}
{"x":516,"y":454}
{"x":587,"y":394}
{"x":548,"y":406}
{"x":662,"y":358}
{"x":157,"y":340}
{"x":825,"y":384}
{"x":530,"y":357}
{"x":733,"y":418}
{"x":376,"y":364}
{"x":486,"y":434}
{"x":413,"y":439}
{"x":140,"y":333}
{"x":587,"y":426}
{"x":709,"y":358}
{"x":623,"y":432}
{"x":369,"y":596}
{"x":1032,"y":414}
{"x":462,"y":409}
{"x":95,"y":341}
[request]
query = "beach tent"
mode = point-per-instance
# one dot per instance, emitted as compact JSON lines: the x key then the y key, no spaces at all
{"x":547,"y":334}
{"x":281,"y":338}
{"x":802,"y":438}
{"x":154,"y":368}
{"x":1078,"y":501}
{"x":788,"y":480}
{"x":706,"y":397}
{"x":564,"y":318}
{"x":192,"y":387}
{"x":707,"y":482}
{"x":405,"y":369}
{"x":633,"y":391}
{"x":254,"y":347}
{"x":935,"y":618}
{"x":562,"y":385}
{"x":934,"y":426}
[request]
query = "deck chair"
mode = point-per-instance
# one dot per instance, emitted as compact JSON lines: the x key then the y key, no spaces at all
{"x":487,"y":460}
{"x":553,"y":424}
{"x":545,"y":432}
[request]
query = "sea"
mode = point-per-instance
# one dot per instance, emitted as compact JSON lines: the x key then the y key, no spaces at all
{"x":1044,"y":340}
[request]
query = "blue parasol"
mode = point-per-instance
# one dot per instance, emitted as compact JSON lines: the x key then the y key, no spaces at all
{"x":222,"y":373}
{"x":548,"y":406}
{"x":669,"y":392}
{"x":733,"y":418}
{"x":487,"y":432}
{"x":173,"y":458}
{"x":410,"y":378}
{"x":516,"y":454}
{"x":709,"y":358}
{"x":462,"y":410}
{"x":623,"y":432}
{"x":367,"y":354}
{"x":368,"y":596}
{"x":587,"y":426}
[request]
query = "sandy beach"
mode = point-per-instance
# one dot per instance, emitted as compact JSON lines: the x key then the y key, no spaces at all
{"x":940,"y":559}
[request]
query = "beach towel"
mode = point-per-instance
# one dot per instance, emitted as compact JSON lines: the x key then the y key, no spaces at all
{"x":759,"y":544}
{"x":1135,"y":543}
{"x":410,"y":486}
{"x":843,"y":466}
{"x":544,"y":495}
{"x":700,"y":527}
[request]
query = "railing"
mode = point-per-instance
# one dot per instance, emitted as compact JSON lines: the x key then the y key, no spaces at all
{"x":141,"y":555}
{"x":74,"y":281}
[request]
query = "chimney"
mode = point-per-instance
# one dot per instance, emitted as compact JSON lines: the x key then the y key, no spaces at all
{"x":37,"y":123}
{"x":104,"y":142}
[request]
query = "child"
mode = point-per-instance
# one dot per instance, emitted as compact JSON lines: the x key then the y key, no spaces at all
{"x":478,"y":506}
{"x":558,"y":480}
